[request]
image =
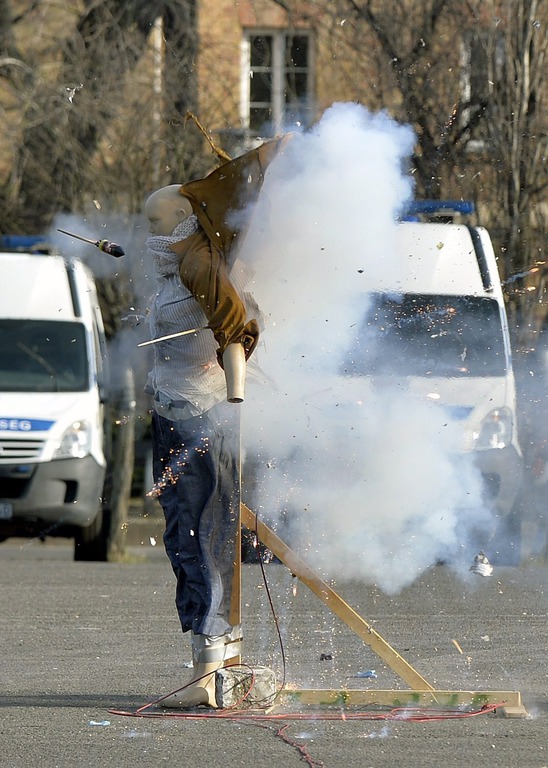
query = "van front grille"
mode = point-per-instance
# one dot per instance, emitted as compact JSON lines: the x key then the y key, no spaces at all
{"x":19,"y":449}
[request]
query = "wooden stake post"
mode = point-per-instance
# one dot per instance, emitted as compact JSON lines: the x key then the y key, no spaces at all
{"x":236,"y":596}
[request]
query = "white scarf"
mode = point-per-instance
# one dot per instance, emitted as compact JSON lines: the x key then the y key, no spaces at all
{"x":165,"y":261}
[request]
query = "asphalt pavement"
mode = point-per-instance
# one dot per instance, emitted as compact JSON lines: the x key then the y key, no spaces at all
{"x":82,"y":642}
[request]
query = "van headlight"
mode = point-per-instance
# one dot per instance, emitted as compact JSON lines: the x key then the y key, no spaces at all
{"x":495,"y":430}
{"x":76,"y":441}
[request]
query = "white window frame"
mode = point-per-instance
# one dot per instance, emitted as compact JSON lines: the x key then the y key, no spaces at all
{"x":279,"y":37}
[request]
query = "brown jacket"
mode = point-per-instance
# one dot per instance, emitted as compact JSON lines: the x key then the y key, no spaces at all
{"x":219,"y":202}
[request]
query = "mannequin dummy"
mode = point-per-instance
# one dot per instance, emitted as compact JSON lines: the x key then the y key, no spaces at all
{"x":195,"y":432}
{"x":169,"y":215}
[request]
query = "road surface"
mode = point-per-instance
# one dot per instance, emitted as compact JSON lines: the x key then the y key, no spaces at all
{"x":80,"y":641}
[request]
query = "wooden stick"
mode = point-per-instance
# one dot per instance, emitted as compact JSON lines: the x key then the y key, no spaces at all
{"x":221,"y":154}
{"x":236,"y":594}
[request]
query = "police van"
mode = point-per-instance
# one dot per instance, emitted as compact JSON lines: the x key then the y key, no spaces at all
{"x":53,"y":398}
{"x":439,"y":328}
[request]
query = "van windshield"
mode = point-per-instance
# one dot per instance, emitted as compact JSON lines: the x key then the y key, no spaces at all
{"x":43,"y":356}
{"x":424,"y":335}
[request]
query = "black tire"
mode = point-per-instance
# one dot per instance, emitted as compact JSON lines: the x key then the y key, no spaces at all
{"x":120,"y":472}
{"x":105,"y":540}
{"x":89,"y":543}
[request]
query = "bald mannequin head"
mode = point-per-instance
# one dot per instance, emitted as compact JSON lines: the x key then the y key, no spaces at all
{"x":165,"y":209}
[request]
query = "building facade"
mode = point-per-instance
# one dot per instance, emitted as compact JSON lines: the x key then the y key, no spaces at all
{"x":264,"y":70}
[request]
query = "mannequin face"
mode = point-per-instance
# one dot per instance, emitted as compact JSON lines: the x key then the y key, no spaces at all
{"x":165,"y":209}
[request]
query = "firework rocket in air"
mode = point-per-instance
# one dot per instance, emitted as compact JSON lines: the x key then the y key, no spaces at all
{"x":104,"y":245}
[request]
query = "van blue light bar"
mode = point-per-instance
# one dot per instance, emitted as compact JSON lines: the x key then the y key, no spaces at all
{"x":432,"y":207}
{"x":23,"y":242}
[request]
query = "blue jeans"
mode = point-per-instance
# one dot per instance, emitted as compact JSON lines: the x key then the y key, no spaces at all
{"x":196,"y":468}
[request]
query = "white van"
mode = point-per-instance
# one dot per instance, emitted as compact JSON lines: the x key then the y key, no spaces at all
{"x":52,"y":401}
{"x":440,"y":326}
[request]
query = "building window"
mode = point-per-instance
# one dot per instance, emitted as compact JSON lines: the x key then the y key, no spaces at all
{"x":276,"y":81}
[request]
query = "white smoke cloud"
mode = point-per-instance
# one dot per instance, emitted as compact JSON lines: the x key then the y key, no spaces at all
{"x":361,"y":480}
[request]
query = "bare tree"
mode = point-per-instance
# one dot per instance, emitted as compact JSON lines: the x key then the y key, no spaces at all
{"x":99,"y":115}
{"x":401,"y":64}
{"x":87,"y":122}
{"x":468,"y":76}
{"x":513,"y":135}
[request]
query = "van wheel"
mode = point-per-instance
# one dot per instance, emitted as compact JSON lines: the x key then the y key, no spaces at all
{"x":89,"y":543}
{"x":117,"y":492}
{"x":105,"y":540}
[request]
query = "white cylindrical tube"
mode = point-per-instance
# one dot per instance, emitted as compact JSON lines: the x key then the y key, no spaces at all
{"x":234,"y":366}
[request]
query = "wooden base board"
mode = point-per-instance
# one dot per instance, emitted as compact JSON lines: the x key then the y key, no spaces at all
{"x":404,"y":698}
